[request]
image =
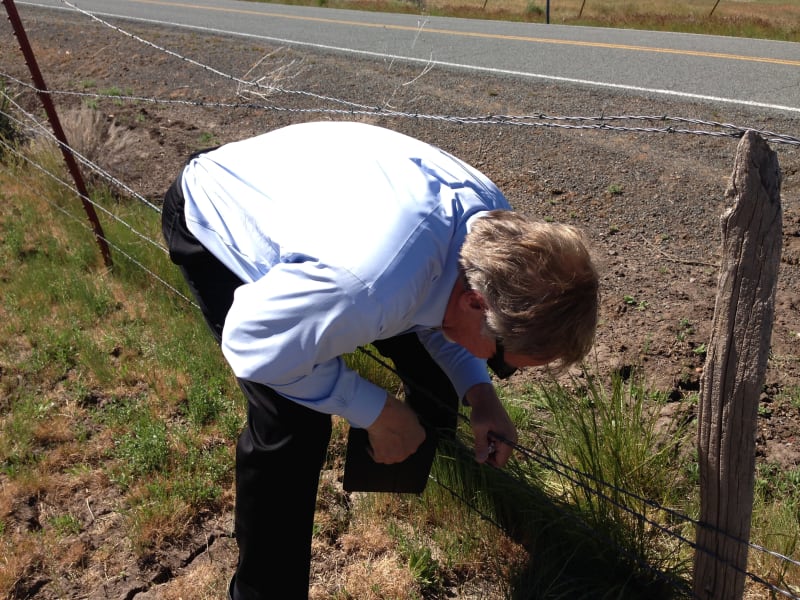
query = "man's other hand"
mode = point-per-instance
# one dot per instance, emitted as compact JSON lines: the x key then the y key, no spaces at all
{"x":396,"y":433}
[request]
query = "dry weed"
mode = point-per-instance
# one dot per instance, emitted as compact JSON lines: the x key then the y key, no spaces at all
{"x":383,"y":578}
{"x":207,"y":581}
{"x":98,"y":138}
{"x":365,"y":539}
{"x":267,"y":76}
{"x":22,"y":556}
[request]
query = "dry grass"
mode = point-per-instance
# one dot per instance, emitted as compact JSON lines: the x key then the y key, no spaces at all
{"x":774,"y":19}
{"x":208,"y":581}
{"x":20,"y":556}
{"x":381,"y":578}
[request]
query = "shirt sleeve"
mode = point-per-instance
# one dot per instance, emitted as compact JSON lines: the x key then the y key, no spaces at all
{"x":463,"y":369}
{"x":289,"y":329}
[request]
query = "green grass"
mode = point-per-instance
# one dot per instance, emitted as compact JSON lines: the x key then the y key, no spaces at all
{"x":615,"y":436}
{"x":100,"y":360}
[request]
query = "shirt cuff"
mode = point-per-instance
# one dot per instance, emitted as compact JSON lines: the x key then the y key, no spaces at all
{"x":470,"y":374}
{"x":365,"y":402}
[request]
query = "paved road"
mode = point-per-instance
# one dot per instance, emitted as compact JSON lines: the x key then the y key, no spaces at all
{"x":763,"y":75}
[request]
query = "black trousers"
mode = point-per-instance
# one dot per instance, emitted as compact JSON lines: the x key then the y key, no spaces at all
{"x":283,"y":446}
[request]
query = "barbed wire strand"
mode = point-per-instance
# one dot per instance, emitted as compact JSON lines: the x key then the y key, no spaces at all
{"x":681,"y":517}
{"x":536,"y":121}
{"x":537,"y":457}
{"x":372,"y":110}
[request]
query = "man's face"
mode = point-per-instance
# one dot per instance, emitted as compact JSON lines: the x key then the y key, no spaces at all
{"x":466,"y":326}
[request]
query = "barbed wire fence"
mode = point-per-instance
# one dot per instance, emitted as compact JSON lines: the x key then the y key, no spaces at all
{"x":256,"y":92}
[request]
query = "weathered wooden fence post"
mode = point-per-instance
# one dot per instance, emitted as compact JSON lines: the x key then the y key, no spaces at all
{"x":735,"y":369}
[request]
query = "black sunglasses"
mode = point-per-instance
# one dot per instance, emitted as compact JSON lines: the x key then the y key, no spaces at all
{"x":497,"y":362}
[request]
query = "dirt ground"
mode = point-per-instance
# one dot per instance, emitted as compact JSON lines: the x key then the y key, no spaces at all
{"x":649,"y":202}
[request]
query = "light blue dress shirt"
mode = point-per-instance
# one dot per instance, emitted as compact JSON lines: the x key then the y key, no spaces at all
{"x":344,"y":233}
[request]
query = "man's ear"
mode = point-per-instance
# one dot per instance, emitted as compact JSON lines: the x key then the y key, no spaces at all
{"x":474,"y":300}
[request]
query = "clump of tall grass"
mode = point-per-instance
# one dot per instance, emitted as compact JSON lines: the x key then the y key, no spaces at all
{"x":582,"y":493}
{"x":618,"y":462}
{"x":776,"y":524}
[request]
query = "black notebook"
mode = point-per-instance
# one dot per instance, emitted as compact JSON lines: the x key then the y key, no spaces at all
{"x":362,"y":474}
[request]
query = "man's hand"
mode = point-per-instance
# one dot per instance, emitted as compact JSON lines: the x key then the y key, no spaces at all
{"x":488,"y":415}
{"x":396,"y":433}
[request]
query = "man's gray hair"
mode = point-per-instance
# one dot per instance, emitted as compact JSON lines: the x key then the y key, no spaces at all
{"x":539,"y":283}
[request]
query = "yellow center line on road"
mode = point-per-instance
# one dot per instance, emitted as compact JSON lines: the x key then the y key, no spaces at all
{"x":515,"y":38}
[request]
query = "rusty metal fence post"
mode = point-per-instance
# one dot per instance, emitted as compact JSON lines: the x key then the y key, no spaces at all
{"x":52,"y":115}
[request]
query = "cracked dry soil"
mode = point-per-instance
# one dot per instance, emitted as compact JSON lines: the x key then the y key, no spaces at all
{"x":650,"y":203}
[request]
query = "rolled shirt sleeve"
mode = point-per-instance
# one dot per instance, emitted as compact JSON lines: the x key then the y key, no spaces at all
{"x":289,"y":329}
